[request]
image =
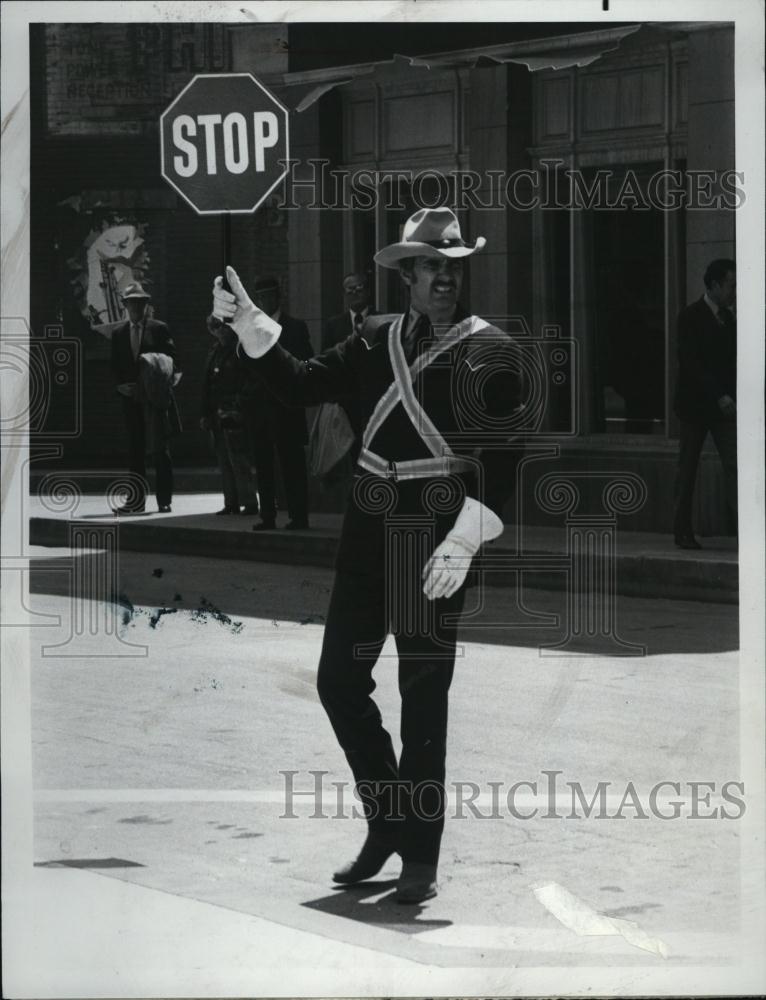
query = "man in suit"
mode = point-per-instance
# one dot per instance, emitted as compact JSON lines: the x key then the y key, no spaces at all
{"x":223,"y":413}
{"x":279,"y":428}
{"x":706,"y":392}
{"x":141,"y":337}
{"x":356,"y":297}
{"x":437,"y":464}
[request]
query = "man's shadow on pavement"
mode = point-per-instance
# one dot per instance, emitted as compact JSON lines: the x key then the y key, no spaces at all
{"x":350,"y":901}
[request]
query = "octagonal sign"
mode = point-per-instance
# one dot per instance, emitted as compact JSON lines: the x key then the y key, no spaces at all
{"x":224,"y":143}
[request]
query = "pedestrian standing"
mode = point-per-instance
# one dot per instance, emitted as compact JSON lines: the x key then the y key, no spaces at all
{"x":706,"y":393}
{"x":224,"y":415}
{"x":145,"y":369}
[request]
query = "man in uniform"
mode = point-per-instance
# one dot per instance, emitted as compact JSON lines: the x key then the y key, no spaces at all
{"x":438,"y":392}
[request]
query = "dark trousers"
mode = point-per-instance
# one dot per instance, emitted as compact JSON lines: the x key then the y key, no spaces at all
{"x":232,"y":448}
{"x":292,"y":461}
{"x":692,"y":438}
{"x":163,"y":467}
{"x":405,"y":797}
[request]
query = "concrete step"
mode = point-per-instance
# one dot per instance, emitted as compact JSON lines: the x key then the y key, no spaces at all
{"x":646,"y":565}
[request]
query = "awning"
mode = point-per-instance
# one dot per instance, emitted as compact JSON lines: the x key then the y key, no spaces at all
{"x":558,"y":52}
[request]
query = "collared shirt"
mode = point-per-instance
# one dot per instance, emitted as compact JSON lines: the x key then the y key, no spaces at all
{"x":358,"y":318}
{"x":728,"y":315}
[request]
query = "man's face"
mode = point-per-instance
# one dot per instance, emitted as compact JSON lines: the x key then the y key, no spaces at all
{"x":435,"y":285}
{"x":724,"y":293}
{"x":136,"y":309}
{"x":267,"y":300}
{"x":356,"y":292}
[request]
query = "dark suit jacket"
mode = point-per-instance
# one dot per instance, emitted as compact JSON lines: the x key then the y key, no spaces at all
{"x":337,"y":328}
{"x":272,"y":416}
{"x":707,"y":363}
{"x":156,"y":337}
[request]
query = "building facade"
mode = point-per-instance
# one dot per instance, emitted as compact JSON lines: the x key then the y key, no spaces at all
{"x":598,"y":164}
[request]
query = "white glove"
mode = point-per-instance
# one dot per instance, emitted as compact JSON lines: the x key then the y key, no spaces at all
{"x":446,"y":570}
{"x":257,"y":331}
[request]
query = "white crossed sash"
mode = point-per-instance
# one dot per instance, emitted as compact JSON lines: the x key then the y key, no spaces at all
{"x":444,"y":461}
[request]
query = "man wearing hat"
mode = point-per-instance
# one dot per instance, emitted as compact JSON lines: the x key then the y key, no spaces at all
{"x":145,"y":369}
{"x":439,"y":395}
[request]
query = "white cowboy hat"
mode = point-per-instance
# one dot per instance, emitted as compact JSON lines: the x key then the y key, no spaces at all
{"x":430,"y":232}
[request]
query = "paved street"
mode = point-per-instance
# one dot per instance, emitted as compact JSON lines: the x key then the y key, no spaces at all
{"x":158,"y":760}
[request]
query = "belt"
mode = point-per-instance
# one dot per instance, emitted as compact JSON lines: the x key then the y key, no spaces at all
{"x":416,"y":468}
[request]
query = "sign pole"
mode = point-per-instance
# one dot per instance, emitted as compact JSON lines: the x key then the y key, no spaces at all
{"x":226,"y":247}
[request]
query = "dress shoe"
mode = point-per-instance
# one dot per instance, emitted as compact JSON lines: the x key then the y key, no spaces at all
{"x":128,"y":509}
{"x":375,"y":852}
{"x":297,"y":526}
{"x":417,"y":883}
{"x":227,"y":510}
{"x":251,"y":510}
{"x":163,"y":508}
{"x":687,"y":542}
{"x":265,"y":526}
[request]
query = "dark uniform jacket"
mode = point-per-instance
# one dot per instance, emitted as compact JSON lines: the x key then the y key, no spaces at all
{"x":447,"y":389}
{"x":707,"y":363}
{"x":335,"y":331}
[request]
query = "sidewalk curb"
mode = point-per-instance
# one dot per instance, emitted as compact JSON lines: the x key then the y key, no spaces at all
{"x":650,"y":576}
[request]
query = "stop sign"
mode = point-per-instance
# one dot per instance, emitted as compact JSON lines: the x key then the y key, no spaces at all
{"x":224,"y":143}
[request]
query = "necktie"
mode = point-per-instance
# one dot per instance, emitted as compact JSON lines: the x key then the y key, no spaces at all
{"x":725,"y":317}
{"x":135,"y":339}
{"x":358,"y":320}
{"x":421,"y":330}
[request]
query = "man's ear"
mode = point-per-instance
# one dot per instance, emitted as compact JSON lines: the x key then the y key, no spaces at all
{"x":406,"y":276}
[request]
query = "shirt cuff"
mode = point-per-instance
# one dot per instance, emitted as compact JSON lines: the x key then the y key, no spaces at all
{"x":255,"y":343}
{"x":475,"y":525}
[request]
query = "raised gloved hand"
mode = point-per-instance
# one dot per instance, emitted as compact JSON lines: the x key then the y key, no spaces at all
{"x":446,"y":570}
{"x":257,"y":332}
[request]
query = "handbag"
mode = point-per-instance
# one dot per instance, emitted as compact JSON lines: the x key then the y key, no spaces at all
{"x":331,"y":439}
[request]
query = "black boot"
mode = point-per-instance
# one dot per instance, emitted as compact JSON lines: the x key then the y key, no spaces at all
{"x":375,"y":852}
{"x":417,"y":883}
